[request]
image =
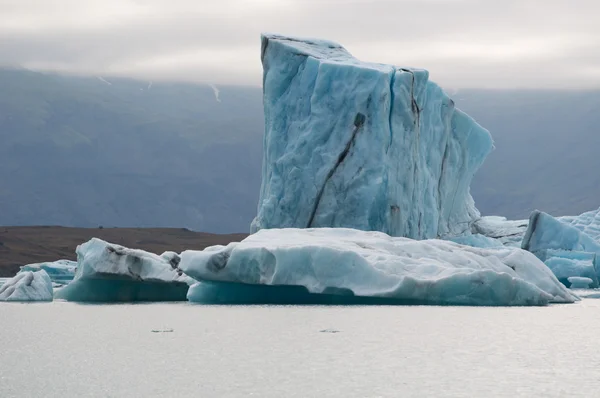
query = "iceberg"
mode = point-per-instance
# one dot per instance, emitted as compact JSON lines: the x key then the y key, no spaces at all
{"x":566,"y":264}
{"x":352,"y":264}
{"x":511,"y":232}
{"x":27,"y":286}
{"x":362,"y":145}
{"x":112,"y":273}
{"x":477,"y":240}
{"x":580,"y":282}
{"x":547,"y":232}
{"x":508,"y":232}
{"x":61,"y":272}
{"x":565,"y":249}
{"x":588,"y":223}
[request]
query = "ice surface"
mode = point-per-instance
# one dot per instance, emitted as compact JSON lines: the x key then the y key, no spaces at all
{"x":362,"y":145}
{"x":578,"y":282}
{"x":509,"y":232}
{"x":61,"y":272}
{"x":546,"y":232}
{"x":107,"y":272}
{"x":565,"y":249}
{"x":348,"y":262}
{"x":27,"y":286}
{"x":588,"y":223}
{"x":579,"y":265}
{"x":477,"y":240}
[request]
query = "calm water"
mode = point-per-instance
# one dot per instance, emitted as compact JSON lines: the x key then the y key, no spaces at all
{"x":71,"y":350}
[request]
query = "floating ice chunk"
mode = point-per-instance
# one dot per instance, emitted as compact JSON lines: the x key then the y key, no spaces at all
{"x":107,"y":272}
{"x":588,"y":223}
{"x":578,"y":282}
{"x":546,"y":232}
{"x":573,"y":264}
{"x":511,"y":232}
{"x":477,"y":240}
{"x":61,"y":272}
{"x":362,"y":145}
{"x":508,"y":232}
{"x":347,"y":262}
{"x":27,"y":286}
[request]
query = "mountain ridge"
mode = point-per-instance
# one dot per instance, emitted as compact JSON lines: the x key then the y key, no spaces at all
{"x":82,"y":153}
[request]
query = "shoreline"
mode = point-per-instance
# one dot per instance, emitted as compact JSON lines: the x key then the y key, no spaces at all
{"x":21,"y":245}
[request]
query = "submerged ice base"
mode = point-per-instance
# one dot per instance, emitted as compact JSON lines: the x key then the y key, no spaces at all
{"x":362,"y":145}
{"x":111,"y":273}
{"x":347,"y":262}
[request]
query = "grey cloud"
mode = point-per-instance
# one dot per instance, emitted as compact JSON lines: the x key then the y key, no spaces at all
{"x":464,"y":43}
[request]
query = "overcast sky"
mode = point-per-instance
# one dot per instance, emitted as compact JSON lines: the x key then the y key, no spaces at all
{"x":463,"y":43}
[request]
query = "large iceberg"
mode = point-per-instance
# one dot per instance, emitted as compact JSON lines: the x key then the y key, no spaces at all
{"x":111,"y":273}
{"x":352,"y":263}
{"x":362,"y":145}
{"x":61,"y":272}
{"x":27,"y":286}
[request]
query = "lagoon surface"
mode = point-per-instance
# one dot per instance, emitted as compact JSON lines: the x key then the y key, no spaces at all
{"x":63,"y":349}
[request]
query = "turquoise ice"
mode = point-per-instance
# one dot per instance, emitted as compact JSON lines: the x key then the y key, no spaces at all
{"x":477,"y":240}
{"x":567,"y":250}
{"x":362,"y":145}
{"x":61,"y":272}
{"x":588,"y":223}
{"x":566,"y":264}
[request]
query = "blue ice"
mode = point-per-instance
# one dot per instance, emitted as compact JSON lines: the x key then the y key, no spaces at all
{"x":588,"y":223}
{"x":565,"y":249}
{"x":61,"y":272}
{"x":547,"y":232}
{"x":477,"y":240}
{"x":362,"y":145}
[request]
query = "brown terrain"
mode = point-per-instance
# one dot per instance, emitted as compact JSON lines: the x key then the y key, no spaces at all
{"x":27,"y":245}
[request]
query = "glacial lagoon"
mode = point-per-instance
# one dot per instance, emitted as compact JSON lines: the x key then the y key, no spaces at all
{"x":64,"y":349}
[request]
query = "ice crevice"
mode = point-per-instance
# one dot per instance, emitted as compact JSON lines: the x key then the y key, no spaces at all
{"x":359,"y":121}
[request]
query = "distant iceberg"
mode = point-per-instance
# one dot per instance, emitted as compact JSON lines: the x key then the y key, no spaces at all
{"x":508,"y":232}
{"x":565,"y":249}
{"x":61,"y":272}
{"x":349,"y":263}
{"x":27,"y":286}
{"x":111,"y":273}
{"x":547,"y":232}
{"x":511,"y":232}
{"x":588,"y":223}
{"x":362,"y":145}
{"x":477,"y":240}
